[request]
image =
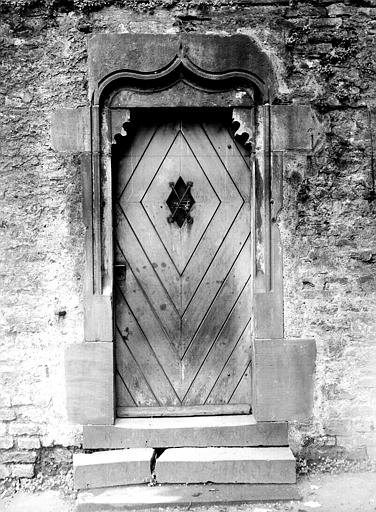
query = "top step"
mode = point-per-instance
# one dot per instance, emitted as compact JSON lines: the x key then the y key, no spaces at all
{"x":199,"y":431}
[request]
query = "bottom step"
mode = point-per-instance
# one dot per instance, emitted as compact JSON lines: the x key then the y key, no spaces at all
{"x":226,"y":466}
{"x":144,"y":497}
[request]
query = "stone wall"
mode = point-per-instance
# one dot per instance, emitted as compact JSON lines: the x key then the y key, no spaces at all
{"x":323,"y":53}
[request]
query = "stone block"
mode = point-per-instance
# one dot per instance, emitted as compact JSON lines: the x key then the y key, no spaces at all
{"x":5,"y":400}
{"x":4,"y":471}
{"x":89,"y":379}
{"x":6,"y":442}
{"x":21,"y":470}
{"x":283,"y":372}
{"x":226,"y":465}
{"x":70,"y":130}
{"x":147,"y":53}
{"x":22,"y":457}
{"x":340,"y":9}
{"x":371,"y":452}
{"x":203,"y":431}
{"x":294,"y":127}
{"x":19,"y":429}
{"x":98,"y":317}
{"x":7,"y":414}
{"x":28,"y":443}
{"x":110,"y":468}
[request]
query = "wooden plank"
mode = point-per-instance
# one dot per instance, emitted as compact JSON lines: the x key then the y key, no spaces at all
{"x":159,"y":258}
{"x":219,"y":175}
{"x":147,"y":326}
{"x":208,"y":245}
{"x":180,"y":161}
{"x":165,"y":432}
{"x":223,"y":217}
{"x":226,"y":465}
{"x":213,"y":279}
{"x":132,"y":374}
{"x":194,"y":410}
{"x":147,"y":278}
{"x":220,"y":352}
{"x":235,"y":162}
{"x":150,"y":162}
{"x":129,"y":153}
{"x":89,"y":377}
{"x":150,"y":498}
{"x":216,"y":314}
{"x":115,"y":467}
{"x":123,"y":397}
{"x":244,"y":388}
{"x":283,"y":379}
{"x":153,"y":365}
{"x":228,"y":380}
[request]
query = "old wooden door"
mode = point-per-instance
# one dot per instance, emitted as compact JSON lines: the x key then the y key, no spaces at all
{"x":182,"y":267}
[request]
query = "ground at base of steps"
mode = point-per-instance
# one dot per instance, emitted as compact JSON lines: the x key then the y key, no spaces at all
{"x":321,"y":492}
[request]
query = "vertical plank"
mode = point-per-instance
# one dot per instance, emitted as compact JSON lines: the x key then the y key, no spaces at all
{"x":243,"y":390}
{"x":220,"y":353}
{"x":132,"y":375}
{"x":227,"y":387}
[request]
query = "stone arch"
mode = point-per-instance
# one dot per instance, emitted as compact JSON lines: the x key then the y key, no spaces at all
{"x":146,"y":60}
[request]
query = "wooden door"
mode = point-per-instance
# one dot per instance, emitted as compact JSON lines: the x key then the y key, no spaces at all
{"x":182,"y":268}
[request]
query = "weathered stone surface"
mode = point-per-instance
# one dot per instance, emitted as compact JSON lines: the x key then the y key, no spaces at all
{"x":147,"y":53}
{"x":89,"y":383}
{"x":4,"y":471}
{"x":28,"y":443}
{"x":6,"y":442}
{"x":105,"y":500}
{"x":110,"y":468}
{"x":226,"y":465}
{"x":22,"y":457}
{"x":189,"y":431}
{"x":294,"y":127}
{"x":70,"y":130}
{"x":21,"y":470}
{"x":283,"y":373}
{"x":7,"y":414}
{"x":24,"y":428}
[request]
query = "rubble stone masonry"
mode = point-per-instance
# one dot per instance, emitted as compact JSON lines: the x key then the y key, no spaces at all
{"x":324,"y":55}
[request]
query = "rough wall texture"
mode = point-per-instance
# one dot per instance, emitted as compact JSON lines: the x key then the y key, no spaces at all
{"x":323,"y":53}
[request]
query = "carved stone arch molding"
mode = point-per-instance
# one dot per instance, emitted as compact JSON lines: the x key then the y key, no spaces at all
{"x":129,"y":71}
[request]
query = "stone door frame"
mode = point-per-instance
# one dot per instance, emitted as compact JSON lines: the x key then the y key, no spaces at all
{"x":128,"y":71}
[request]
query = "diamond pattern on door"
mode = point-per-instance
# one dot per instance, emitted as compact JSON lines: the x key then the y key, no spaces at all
{"x":182,"y":290}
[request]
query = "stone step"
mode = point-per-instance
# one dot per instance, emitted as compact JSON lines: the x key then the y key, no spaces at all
{"x":199,"y":431}
{"x":184,"y":465}
{"x":111,"y":468}
{"x":226,"y":465}
{"x":148,"y":498}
